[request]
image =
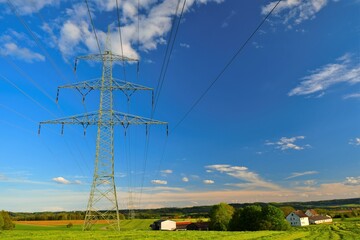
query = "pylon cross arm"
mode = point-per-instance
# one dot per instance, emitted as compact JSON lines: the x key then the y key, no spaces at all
{"x":116,"y":118}
{"x":117,"y":84}
{"x":107,"y":56}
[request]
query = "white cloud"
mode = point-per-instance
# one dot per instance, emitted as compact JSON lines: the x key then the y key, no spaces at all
{"x":208,"y":182}
{"x":20,"y":53}
{"x":76,"y":36}
{"x":252,"y":179}
{"x":355,"y":141}
{"x":185,"y":179}
{"x":344,"y":70}
{"x":61,"y":180}
{"x":299,"y":174}
{"x":184,"y":45}
{"x":295,"y":11}
{"x":161,"y":182}
{"x":31,"y":6}
{"x":227,"y":19}
{"x":352,"y":95}
{"x":310,"y":182}
{"x":10,"y":43}
{"x":287,"y":143}
{"x":77,"y":182}
{"x":167,"y":171}
{"x":352,"y":181}
{"x":69,"y":200}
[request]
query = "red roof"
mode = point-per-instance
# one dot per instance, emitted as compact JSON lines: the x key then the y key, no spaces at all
{"x":182,"y":223}
{"x":300,"y":213}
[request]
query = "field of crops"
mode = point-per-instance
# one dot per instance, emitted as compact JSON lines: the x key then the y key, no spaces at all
{"x":139,"y":229}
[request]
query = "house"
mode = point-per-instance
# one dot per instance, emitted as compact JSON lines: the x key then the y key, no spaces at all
{"x":315,"y":218}
{"x":320,"y":219}
{"x":311,"y":212}
{"x":166,"y":225}
{"x":200,"y":226}
{"x":298,"y":218}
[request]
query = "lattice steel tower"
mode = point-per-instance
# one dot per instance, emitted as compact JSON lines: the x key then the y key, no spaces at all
{"x":103,"y":204}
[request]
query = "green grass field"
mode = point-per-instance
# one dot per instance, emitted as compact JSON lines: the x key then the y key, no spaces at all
{"x":139,"y":229}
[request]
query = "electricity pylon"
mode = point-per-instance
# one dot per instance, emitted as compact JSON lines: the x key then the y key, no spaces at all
{"x":103,"y":204}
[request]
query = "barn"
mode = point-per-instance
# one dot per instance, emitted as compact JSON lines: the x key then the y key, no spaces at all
{"x":165,"y":225}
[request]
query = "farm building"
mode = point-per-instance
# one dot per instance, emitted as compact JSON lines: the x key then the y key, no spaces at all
{"x":311,"y":212}
{"x":182,"y":225}
{"x":315,"y":218}
{"x":166,"y":225}
{"x":200,"y":226}
{"x":298,"y":218}
{"x":320,"y":219}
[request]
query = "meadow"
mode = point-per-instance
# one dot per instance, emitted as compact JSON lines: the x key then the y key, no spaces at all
{"x":139,"y":229}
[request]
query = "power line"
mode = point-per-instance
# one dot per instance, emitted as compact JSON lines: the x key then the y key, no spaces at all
{"x":92,"y":25}
{"x":37,"y":41}
{"x":121,"y":42}
{"x":168,"y":54}
{"x":225,"y":67}
{"x":26,"y":95}
{"x":22,"y":72}
{"x":161,"y":79}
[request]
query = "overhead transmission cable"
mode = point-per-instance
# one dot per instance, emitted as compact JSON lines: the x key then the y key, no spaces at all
{"x":168,"y":52}
{"x":120,"y":36}
{"x":167,"y":56}
{"x":37,"y":41}
{"x":84,"y":106}
{"x":26,"y":95}
{"x":227,"y":65}
{"x":127,"y":140}
{"x":23,"y":73}
{"x":92,"y":25}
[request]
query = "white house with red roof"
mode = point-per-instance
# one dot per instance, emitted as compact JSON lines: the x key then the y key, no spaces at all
{"x":298,"y":218}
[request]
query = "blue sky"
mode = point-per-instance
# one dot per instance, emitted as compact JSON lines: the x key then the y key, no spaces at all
{"x":281,"y":124}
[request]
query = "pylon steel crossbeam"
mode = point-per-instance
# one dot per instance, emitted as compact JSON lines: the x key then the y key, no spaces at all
{"x":103,"y":204}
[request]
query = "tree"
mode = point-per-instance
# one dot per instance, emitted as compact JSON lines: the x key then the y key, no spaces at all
{"x":273,"y":219}
{"x":220,"y":216}
{"x":250,"y":218}
{"x":255,"y":218}
{"x":1,"y":221}
{"x":8,"y":224}
{"x":287,"y":210}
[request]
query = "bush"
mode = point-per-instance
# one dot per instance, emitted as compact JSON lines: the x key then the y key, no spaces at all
{"x":69,"y":225}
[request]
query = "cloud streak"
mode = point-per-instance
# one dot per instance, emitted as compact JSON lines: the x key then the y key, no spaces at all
{"x":344,"y":70}
{"x":62,"y":180}
{"x":251,"y":179}
{"x":294,"y":12}
{"x":299,"y":174}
